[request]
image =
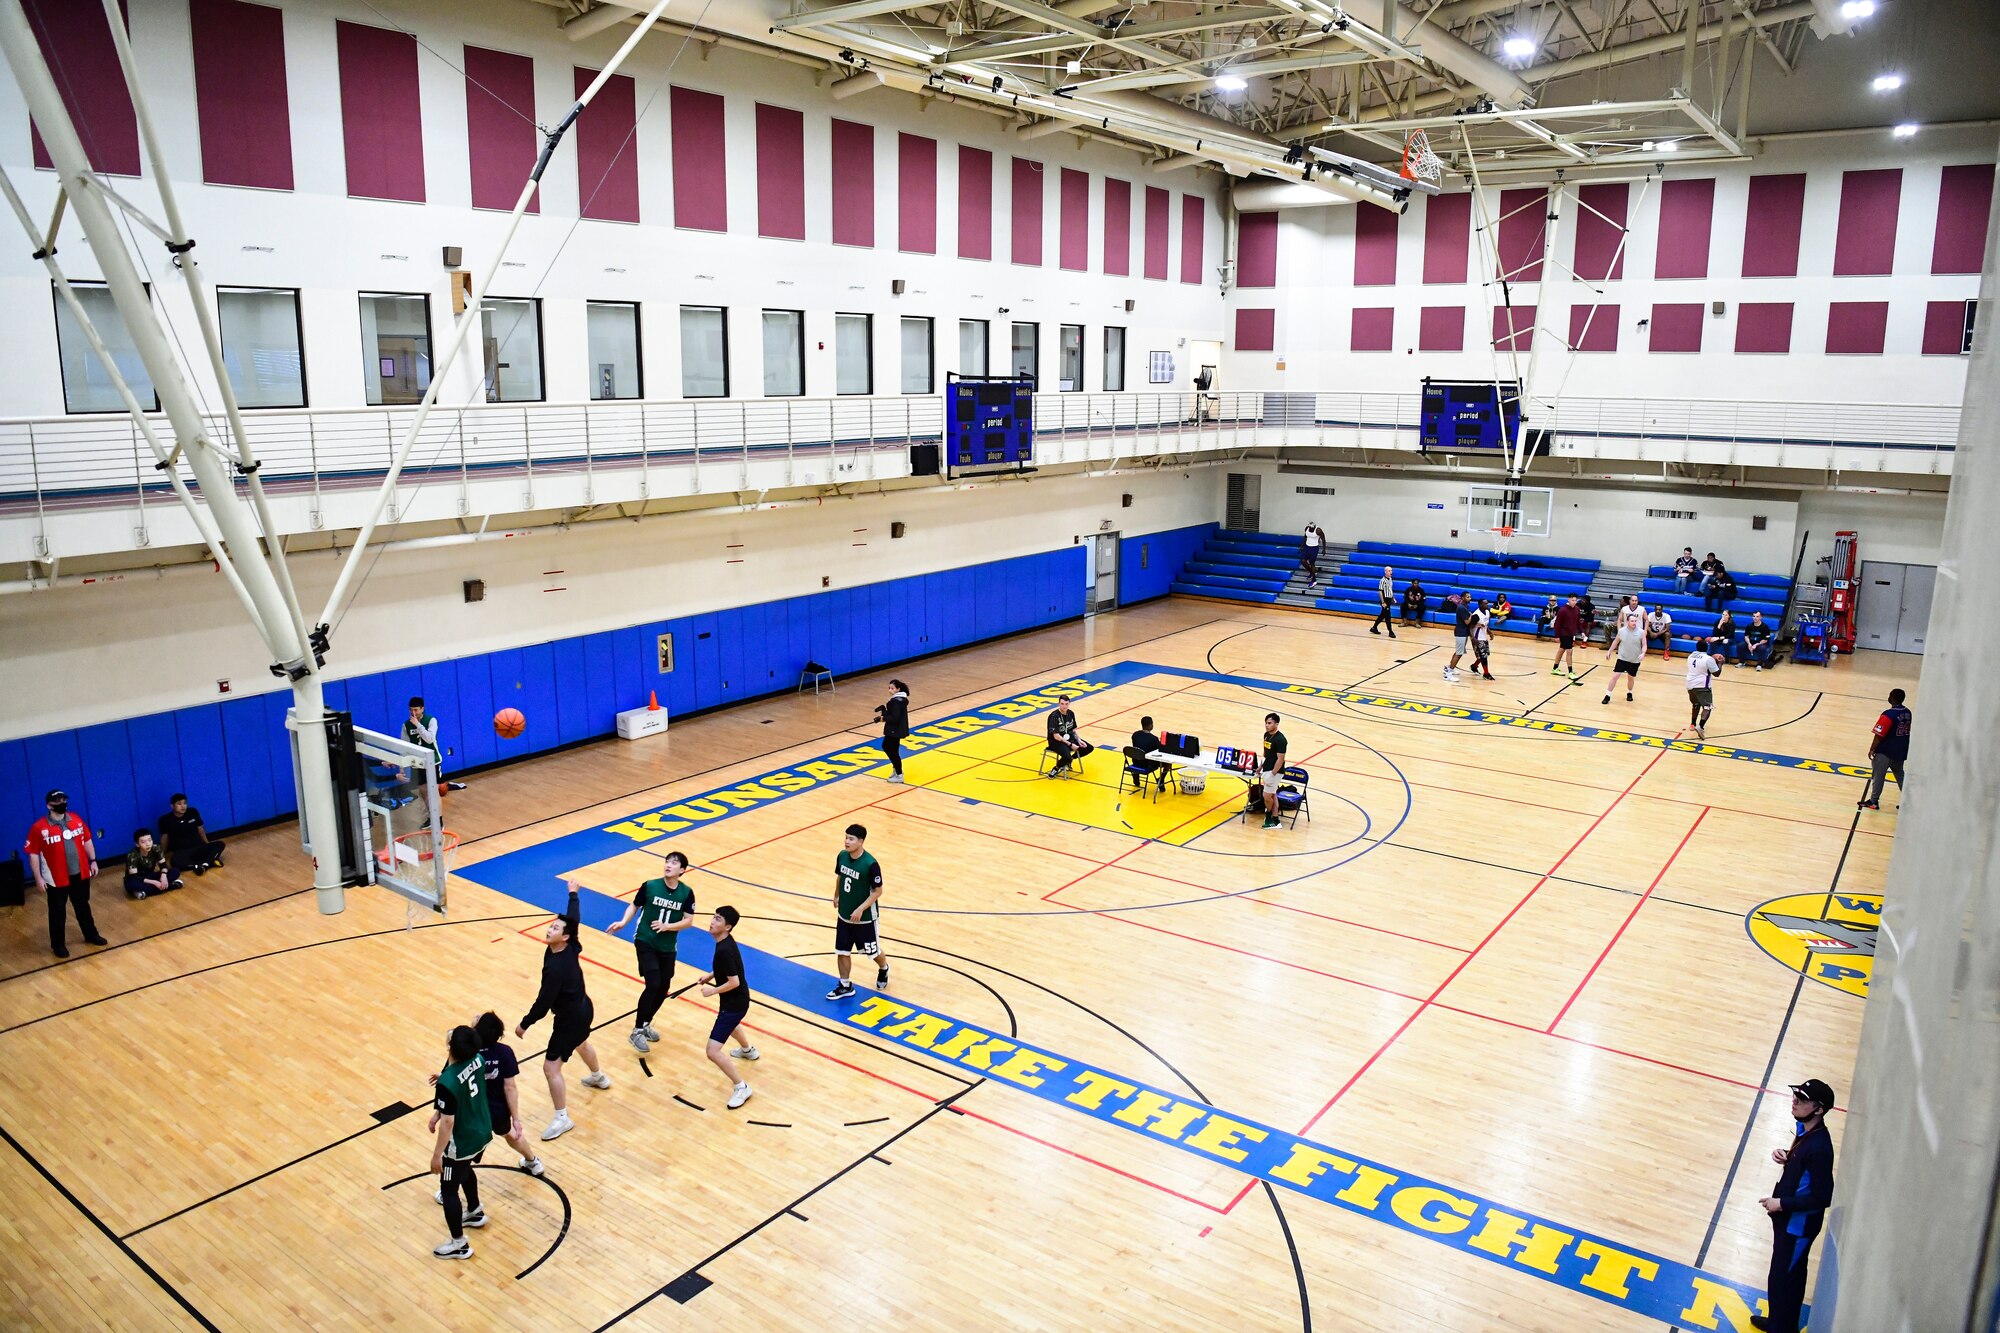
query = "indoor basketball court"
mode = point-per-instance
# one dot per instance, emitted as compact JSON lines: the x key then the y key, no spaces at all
{"x":1366,"y":841}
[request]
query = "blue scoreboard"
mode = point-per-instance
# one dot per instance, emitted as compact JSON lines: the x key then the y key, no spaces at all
{"x":1469,"y":414}
{"x":989,"y":421}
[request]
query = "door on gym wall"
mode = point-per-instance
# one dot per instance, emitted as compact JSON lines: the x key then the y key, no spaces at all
{"x":1893,"y":609}
{"x":1246,"y":498}
{"x":1104,"y":572}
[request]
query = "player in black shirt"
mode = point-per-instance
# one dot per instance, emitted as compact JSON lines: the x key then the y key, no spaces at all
{"x":1798,"y":1204}
{"x":1272,"y":768}
{"x":563,"y":995}
{"x":732,"y":991}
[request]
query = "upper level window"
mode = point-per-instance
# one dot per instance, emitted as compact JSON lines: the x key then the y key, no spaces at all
{"x":261,"y":345}
{"x":87,"y":385}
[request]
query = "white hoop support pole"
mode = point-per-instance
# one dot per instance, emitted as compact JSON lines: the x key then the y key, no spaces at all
{"x":352,"y":565}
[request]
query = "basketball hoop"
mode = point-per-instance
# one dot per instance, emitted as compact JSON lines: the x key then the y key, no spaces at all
{"x":416,"y":849}
{"x":1419,"y":162}
{"x":1501,"y":537}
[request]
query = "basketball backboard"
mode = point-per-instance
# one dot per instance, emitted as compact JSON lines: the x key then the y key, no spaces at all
{"x":388,"y":800}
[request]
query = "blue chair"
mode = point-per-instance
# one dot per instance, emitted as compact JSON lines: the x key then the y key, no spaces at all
{"x":1292,"y":784}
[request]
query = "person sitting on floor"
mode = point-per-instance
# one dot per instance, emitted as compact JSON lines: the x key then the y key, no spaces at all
{"x":185,"y":839}
{"x":147,"y":870}
{"x":1064,"y":743}
{"x":1757,"y":643}
{"x":1415,"y":603}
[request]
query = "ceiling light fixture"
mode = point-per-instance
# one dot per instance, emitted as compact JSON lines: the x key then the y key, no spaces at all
{"x":1670,"y":146}
{"x":1905,"y":130}
{"x":1858,"y":9}
{"x":1230,"y":83}
{"x":1888,"y":83}
{"x":1518,"y":47}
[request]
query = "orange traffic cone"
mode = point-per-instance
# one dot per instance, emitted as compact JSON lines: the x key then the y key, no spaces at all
{"x":652,"y":701}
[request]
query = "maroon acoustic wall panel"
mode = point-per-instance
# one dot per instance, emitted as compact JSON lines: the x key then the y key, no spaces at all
{"x":1677,"y":327}
{"x":1513,"y":328}
{"x":607,"y":150}
{"x":1856,"y":328}
{"x":1441,"y":328}
{"x":1194,"y":213}
{"x":1374,"y":246}
{"x":853,"y":183}
{"x":1687,"y":219}
{"x":381,"y":120}
{"x":1866,"y":241}
{"x":1157,"y":204}
{"x":1524,"y":225}
{"x":975,"y":203}
{"x":1373,"y":329}
{"x":1117,"y":227}
{"x":701,"y":197}
{"x":916,"y":194}
{"x":1257,"y":250}
{"x":1965,"y":202}
{"x":1944,"y":328}
{"x":1024,"y":208}
{"x":1600,"y":227}
{"x":1593,"y":328}
{"x":1447,"y":234}
{"x":1771,"y":227}
{"x":781,"y":173}
{"x":76,"y":43}
{"x":1073,"y":250}
{"x":1764,"y":326}
{"x":500,"y":136}
{"x":242,"y":105}
{"x":1256,"y":330}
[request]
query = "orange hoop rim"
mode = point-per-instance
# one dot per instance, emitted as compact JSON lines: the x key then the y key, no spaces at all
{"x":1503,"y":532}
{"x":432,"y":843}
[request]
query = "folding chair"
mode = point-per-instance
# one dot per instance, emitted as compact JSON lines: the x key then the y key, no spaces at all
{"x":1138,"y":770}
{"x":1292,"y":785}
{"x":1052,"y":756}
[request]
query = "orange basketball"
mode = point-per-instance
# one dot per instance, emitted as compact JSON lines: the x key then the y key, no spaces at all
{"x":508,"y":723}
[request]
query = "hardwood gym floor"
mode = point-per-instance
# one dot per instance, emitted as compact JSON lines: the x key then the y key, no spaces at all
{"x":1517,"y":970}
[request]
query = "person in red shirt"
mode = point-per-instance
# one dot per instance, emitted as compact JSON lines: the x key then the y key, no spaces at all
{"x":1569,"y":627}
{"x":63,"y":858}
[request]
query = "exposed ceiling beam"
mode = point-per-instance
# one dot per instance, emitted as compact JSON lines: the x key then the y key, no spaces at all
{"x":847,"y":13}
{"x":1029,"y":46}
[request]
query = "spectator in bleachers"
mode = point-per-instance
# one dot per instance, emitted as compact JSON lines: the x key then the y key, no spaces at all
{"x":185,"y":839}
{"x":1545,"y":619}
{"x":1708,"y":568}
{"x":1415,"y":603}
{"x":147,"y":870}
{"x":1685,"y":568}
{"x":1721,"y":587}
{"x":1757,"y":643}
{"x":1587,"y":609}
{"x":1502,"y":609}
{"x":1724,"y":636}
{"x":1315,"y":540}
{"x":1385,"y":603}
{"x":1660,"y":625}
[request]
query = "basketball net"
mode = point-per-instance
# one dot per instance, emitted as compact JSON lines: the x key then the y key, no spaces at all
{"x":1419,"y":162}
{"x":1502,"y":536}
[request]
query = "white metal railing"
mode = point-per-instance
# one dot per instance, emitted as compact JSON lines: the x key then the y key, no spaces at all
{"x":90,"y":462}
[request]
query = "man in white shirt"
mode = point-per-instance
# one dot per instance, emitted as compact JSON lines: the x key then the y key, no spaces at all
{"x":1315,"y":539}
{"x":1702,"y":669}
{"x":1660,"y":625}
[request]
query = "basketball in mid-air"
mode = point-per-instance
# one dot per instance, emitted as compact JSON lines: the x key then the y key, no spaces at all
{"x":508,"y":723}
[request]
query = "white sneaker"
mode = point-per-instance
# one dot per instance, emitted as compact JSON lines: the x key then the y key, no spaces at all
{"x":454,"y":1249}
{"x":638,"y":1040}
{"x":652,"y":1033}
{"x":598,"y":1080}
{"x":558,"y":1127}
{"x":437,"y":1196}
{"x":741,"y":1095}
{"x":746,"y":1053}
{"x":532,"y":1165}
{"x":476,"y":1218}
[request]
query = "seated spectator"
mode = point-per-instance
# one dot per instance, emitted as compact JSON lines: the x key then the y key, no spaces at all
{"x":185,"y":839}
{"x":1660,"y":625}
{"x":1708,"y":568}
{"x":1502,"y":609}
{"x":1723,"y":636}
{"x":1415,"y":603}
{"x":1545,"y":619}
{"x":1685,"y":569}
{"x":1757,"y":643}
{"x":1588,"y":610}
{"x":1720,"y":588}
{"x":1063,"y":742}
{"x":147,"y":870}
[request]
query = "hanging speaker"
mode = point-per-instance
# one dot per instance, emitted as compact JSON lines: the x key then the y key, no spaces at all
{"x":896,"y":529}
{"x":1130,"y":305}
{"x":1124,"y":502}
{"x":453,"y":256}
{"x":924,"y":460}
{"x":897,"y":285}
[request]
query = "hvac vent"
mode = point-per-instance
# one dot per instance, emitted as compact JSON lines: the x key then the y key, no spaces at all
{"x":1312,"y":490}
{"x":1687,"y":514}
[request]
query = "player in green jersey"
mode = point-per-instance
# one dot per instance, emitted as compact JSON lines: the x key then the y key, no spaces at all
{"x":462,"y":1119}
{"x":665,"y":908}
{"x":857,"y":889}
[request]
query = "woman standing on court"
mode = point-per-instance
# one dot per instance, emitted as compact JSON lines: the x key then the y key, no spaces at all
{"x":563,"y":995}
{"x":895,"y":719}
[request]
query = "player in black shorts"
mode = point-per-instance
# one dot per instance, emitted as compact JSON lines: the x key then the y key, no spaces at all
{"x":563,"y":995}
{"x":665,"y":907}
{"x":503,"y":1102}
{"x":857,"y":926}
{"x":731,"y":990}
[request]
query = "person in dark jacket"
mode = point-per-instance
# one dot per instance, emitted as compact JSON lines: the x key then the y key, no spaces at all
{"x":1415,"y":603}
{"x":1721,"y":586}
{"x":895,"y":719}
{"x":563,"y":995}
{"x":1798,"y":1204}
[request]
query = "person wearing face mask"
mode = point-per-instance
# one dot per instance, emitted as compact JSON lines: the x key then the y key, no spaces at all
{"x":562,"y":994}
{"x":63,"y":858}
{"x":1797,"y":1204}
